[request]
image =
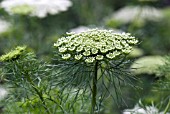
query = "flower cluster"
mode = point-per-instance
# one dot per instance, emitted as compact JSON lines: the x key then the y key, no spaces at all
{"x":13,"y":54}
{"x":95,"y":45}
{"x":139,"y":110}
{"x":3,"y":93}
{"x":148,"y":65}
{"x":136,"y":12}
{"x":39,"y":8}
{"x":4,"y":26}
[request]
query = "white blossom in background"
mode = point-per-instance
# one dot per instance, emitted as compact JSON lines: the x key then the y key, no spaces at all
{"x":3,"y":93}
{"x":39,"y":8}
{"x":139,"y":110}
{"x":147,"y":65}
{"x":4,"y":26}
{"x":130,"y":13}
{"x":79,"y":29}
{"x":85,"y":28}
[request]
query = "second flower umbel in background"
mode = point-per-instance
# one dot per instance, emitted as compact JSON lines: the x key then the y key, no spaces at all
{"x":38,"y":8}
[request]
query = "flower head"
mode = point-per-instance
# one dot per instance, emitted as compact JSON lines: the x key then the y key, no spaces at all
{"x":147,"y":65}
{"x":4,"y":26}
{"x":66,"y":56}
{"x":3,"y":93}
{"x":95,"y":45}
{"x":39,"y":8}
{"x":14,"y":54}
{"x":144,"y":13}
{"x":140,"y":110}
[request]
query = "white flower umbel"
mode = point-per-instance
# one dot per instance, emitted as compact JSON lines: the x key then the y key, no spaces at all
{"x":148,"y":65}
{"x":95,"y":45}
{"x":4,"y":26}
{"x":146,"y":110}
{"x":3,"y":93}
{"x":39,"y":8}
{"x":130,"y":13}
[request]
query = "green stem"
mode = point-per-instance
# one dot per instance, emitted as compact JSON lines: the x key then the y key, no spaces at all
{"x":94,"y":89}
{"x":167,"y":107}
{"x":39,"y":94}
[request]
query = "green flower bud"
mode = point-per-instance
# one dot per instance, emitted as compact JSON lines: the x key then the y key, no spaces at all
{"x":87,"y":48}
{"x":126,"y":51}
{"x":80,"y":48}
{"x":116,"y":53}
{"x":99,"y":57}
{"x":78,"y":57}
{"x":66,"y":56}
{"x":94,"y":50}
{"x":62,"y":49}
{"x":86,"y":53}
{"x":57,"y":44}
{"x":110,"y":55}
{"x":103,"y":50}
{"x":72,"y":48}
{"x":89,"y":59}
{"x":14,"y":54}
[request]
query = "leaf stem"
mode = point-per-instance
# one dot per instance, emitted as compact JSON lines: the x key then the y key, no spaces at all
{"x":39,"y":93}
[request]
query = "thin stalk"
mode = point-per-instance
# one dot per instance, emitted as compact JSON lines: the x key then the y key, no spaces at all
{"x":94,"y":89}
{"x":39,"y":94}
{"x":167,"y":107}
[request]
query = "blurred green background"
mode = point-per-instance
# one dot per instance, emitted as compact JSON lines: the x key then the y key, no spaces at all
{"x":148,"y":20}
